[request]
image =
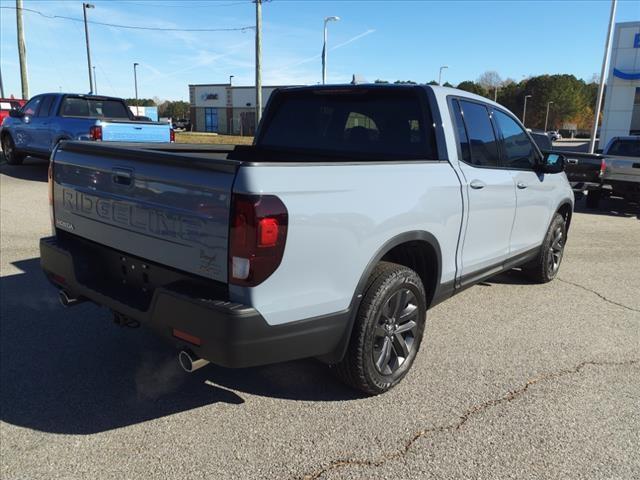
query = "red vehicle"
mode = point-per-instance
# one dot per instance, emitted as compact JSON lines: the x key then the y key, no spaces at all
{"x":8,"y":104}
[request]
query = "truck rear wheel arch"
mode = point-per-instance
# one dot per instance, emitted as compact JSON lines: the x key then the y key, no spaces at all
{"x":417,"y":250}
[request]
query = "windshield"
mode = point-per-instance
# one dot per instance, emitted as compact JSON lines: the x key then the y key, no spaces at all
{"x":94,"y":108}
{"x":376,"y":124}
{"x":625,"y":148}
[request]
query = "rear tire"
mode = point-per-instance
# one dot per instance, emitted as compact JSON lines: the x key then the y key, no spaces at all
{"x":9,"y":150}
{"x":593,"y":198}
{"x":387,"y":332}
{"x":546,"y":265}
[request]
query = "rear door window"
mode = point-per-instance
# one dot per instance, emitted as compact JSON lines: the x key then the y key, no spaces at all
{"x":482,"y":139}
{"x":625,"y":148}
{"x":383,"y":124}
{"x":517,"y":149}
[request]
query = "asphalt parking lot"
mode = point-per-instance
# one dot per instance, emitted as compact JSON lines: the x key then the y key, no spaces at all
{"x":513,"y":380}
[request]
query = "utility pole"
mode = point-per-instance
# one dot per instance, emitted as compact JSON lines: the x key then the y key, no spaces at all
{"x":524,"y":110}
{"x":85,"y":6}
{"x":258,"y":61}
{"x":603,"y":72}
{"x":22,"y":51}
{"x":1,"y":86}
{"x":135,"y":81}
{"x":546,"y":118}
{"x":95,"y":80}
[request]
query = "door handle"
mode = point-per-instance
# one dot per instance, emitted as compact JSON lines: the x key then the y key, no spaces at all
{"x":122,"y":176}
{"x":521,"y":185}
{"x":572,"y":161}
{"x":477,"y":184}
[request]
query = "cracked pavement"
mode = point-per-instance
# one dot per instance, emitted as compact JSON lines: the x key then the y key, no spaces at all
{"x":513,"y":380}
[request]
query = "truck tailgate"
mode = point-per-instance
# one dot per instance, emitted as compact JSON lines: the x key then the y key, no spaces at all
{"x":134,"y":132}
{"x":156,"y":205}
{"x":626,"y":169}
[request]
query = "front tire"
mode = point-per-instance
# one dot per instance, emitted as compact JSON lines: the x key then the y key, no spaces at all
{"x":546,"y":265}
{"x":9,"y":150}
{"x":387,"y":332}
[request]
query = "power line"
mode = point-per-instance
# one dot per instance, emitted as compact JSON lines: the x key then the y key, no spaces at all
{"x":211,"y":4}
{"x":136,"y":27}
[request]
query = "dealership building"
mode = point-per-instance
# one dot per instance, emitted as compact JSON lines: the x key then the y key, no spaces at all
{"x":622,"y":99}
{"x":224,"y":108}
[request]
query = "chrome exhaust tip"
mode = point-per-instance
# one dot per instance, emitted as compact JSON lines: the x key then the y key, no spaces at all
{"x":190,"y":362}
{"x":67,"y":300}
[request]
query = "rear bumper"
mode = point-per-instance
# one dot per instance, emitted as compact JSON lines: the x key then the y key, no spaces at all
{"x":230,"y":334}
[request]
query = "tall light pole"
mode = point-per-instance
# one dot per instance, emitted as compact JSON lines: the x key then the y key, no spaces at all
{"x":324,"y":47}
{"x":85,"y":6}
{"x":524,"y":110}
{"x":95,"y":80}
{"x":258,"y":61}
{"x":135,"y":81}
{"x":603,"y":72}
{"x":440,"y":74}
{"x":546,"y":118}
{"x":1,"y":86}
{"x":230,"y":79}
{"x":22,"y":51}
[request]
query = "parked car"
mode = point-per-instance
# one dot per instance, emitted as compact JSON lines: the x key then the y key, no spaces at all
{"x":554,"y":135}
{"x":8,"y":104}
{"x":358,"y":208}
{"x":47,"y":119}
{"x":616,"y":171}
{"x":181,"y":124}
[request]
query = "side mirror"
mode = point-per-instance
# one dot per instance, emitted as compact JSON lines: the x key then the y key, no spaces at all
{"x":16,"y":113}
{"x":552,"y":163}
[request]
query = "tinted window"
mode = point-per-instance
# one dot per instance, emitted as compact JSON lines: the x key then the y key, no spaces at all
{"x":482,"y":139}
{"x":463,"y":140}
{"x":373,"y":124}
{"x":625,"y":148}
{"x":517,"y":149}
{"x":46,"y":105}
{"x":94,"y":108}
{"x":32,"y":106}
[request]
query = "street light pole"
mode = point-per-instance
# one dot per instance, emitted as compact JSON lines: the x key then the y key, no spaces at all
{"x":230,"y":78}
{"x":258,"y":61}
{"x":324,"y":47}
{"x":85,"y":6}
{"x":603,"y":72}
{"x":524,"y":111}
{"x":546,"y":118}
{"x":440,"y":74}
{"x":135,"y":81}
{"x":95,"y":80}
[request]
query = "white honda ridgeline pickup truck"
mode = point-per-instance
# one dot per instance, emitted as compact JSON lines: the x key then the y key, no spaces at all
{"x":356,"y":210}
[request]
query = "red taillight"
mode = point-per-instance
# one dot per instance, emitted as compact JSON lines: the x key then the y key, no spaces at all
{"x":95,"y":132}
{"x":603,"y":167}
{"x":257,"y":237}
{"x":172,"y":135}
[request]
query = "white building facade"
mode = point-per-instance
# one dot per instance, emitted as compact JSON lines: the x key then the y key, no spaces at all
{"x":622,"y":99}
{"x":225,"y":109}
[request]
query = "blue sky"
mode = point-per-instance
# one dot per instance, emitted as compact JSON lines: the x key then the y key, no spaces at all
{"x":391,"y":40}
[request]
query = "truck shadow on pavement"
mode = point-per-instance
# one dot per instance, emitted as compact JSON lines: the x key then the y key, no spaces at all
{"x":34,"y":169}
{"x":72,"y":371}
{"x":612,"y":206}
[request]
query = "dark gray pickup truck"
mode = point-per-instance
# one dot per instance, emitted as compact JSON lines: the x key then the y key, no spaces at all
{"x":616,"y":171}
